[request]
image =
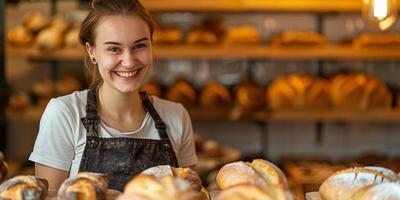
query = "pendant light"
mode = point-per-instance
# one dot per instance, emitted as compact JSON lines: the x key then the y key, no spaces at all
{"x":381,"y":14}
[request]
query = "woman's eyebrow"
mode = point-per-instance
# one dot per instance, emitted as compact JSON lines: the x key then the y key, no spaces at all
{"x":137,"y":41}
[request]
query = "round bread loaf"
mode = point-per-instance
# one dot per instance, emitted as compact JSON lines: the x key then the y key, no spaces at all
{"x":244,"y":192}
{"x":344,"y":184}
{"x":259,"y":172}
{"x":294,"y":38}
{"x":201,"y":36}
{"x":168,"y":36}
{"x":242,"y":34}
{"x":49,"y":39}
{"x":148,"y":187}
{"x":181,"y":91}
{"x":35,"y":21}
{"x":84,"y":186}
{"x":249,"y":96}
{"x":186,"y":174}
{"x":215,"y":95}
{"x":60,"y":23}
{"x":19,"y":36}
{"x":382,"y":39}
{"x":72,"y":38}
{"x":24,"y":187}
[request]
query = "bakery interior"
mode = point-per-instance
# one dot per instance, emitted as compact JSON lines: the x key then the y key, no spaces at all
{"x":309,"y":85}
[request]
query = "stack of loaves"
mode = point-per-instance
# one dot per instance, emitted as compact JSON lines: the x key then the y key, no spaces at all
{"x":259,"y":179}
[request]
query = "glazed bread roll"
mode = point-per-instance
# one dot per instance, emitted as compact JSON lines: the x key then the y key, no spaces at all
{"x":369,"y":39}
{"x":344,"y":184}
{"x":153,"y":88}
{"x":215,"y":95}
{"x":35,"y":21}
{"x":24,"y":187}
{"x":186,"y":174}
{"x":84,"y":186}
{"x":289,"y":38}
{"x":168,"y":36}
{"x":49,"y":39}
{"x":250,"y":96}
{"x":359,"y":91}
{"x":148,"y":187}
{"x":201,"y":36}
{"x":299,"y":92}
{"x":19,"y":36}
{"x":259,"y":173}
{"x":242,"y":34}
{"x":251,"y":192}
{"x":181,"y":91}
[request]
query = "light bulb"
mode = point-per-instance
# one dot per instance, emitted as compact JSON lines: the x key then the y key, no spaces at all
{"x":381,"y":14}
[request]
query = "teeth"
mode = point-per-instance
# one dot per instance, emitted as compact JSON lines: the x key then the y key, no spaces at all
{"x":127,"y":74}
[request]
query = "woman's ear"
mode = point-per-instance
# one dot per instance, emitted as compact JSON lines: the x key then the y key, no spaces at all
{"x":90,"y":51}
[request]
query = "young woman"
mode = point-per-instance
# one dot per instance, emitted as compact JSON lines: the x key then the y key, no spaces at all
{"x":112,"y":128}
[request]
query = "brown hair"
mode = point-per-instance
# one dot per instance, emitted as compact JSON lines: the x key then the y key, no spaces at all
{"x":100,"y":9}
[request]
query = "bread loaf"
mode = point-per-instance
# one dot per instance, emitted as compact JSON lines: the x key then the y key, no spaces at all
{"x":384,"y":191}
{"x":19,"y":36}
{"x":84,"y":186}
{"x":249,"y":96}
{"x":148,"y":187}
{"x":251,"y":192}
{"x":181,"y":91}
{"x":359,"y":91}
{"x":369,"y":39}
{"x":298,"y":92}
{"x":242,"y":34}
{"x":168,"y":35}
{"x":49,"y":39}
{"x":186,"y":174}
{"x":259,"y":173}
{"x":215,"y":95}
{"x":344,"y":184}
{"x":201,"y":36}
{"x":66,"y":85}
{"x":294,"y":38}
{"x":60,"y":23}
{"x":153,"y":88}
{"x":35,"y":21}
{"x":24,"y":187}
{"x":71,"y":39}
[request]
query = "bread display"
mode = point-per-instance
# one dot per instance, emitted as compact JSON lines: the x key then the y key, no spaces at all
{"x":215,"y":95}
{"x":242,"y":34}
{"x":49,"y":39}
{"x":360,"y":92}
{"x":148,"y":187}
{"x":71,"y":39}
{"x":181,"y":91}
{"x":201,"y":36}
{"x":249,"y":96}
{"x":259,"y":172}
{"x":298,"y":92}
{"x":354,"y":183}
{"x":24,"y":187}
{"x":35,"y":21}
{"x":251,"y":192}
{"x":66,"y":85}
{"x":294,"y":38}
{"x":153,"y":87}
{"x":186,"y":174}
{"x":168,"y":36}
{"x":19,"y":36}
{"x":384,"y":39}
{"x":84,"y":186}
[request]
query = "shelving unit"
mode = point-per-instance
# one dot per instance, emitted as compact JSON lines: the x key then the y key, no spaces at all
{"x":236,"y":52}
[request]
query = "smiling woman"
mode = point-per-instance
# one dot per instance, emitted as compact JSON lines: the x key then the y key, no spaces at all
{"x":112,"y":128}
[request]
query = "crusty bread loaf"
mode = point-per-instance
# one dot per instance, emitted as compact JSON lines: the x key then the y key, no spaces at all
{"x":298,"y":92}
{"x":242,"y":34}
{"x":344,"y":184}
{"x":19,"y":36}
{"x":168,"y":36}
{"x":35,"y":21}
{"x":384,"y":191}
{"x":215,"y":95}
{"x":383,"y":39}
{"x":181,"y":91}
{"x":201,"y":36}
{"x":60,"y":23}
{"x":251,"y":192}
{"x":290,"y":38}
{"x":72,"y":38}
{"x":49,"y":39}
{"x":259,"y":172}
{"x":184,"y":173}
{"x":359,"y":91}
{"x":84,"y":186}
{"x":148,"y":187}
{"x":24,"y":187}
{"x":249,"y":96}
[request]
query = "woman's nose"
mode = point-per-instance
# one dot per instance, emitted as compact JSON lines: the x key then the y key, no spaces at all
{"x":128,"y":59}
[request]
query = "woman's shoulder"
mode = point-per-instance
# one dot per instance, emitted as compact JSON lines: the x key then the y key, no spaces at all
{"x":74,"y":102}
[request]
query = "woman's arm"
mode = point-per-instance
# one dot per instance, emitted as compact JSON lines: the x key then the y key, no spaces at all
{"x":54,"y":176}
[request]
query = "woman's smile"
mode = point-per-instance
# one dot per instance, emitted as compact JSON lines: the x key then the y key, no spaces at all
{"x":128,"y":75}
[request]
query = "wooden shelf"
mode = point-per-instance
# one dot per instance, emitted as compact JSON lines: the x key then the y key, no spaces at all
{"x":33,"y":114}
{"x":236,"y":52}
{"x":318,"y":6}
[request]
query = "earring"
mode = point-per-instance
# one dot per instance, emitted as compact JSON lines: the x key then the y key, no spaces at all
{"x":93,"y":60}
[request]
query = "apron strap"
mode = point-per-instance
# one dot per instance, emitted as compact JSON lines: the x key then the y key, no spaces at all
{"x":160,"y":125}
{"x":91,"y":121}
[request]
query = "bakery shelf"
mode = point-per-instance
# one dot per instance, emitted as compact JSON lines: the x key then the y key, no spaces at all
{"x":318,"y":6}
{"x":375,"y":116}
{"x":244,"y":51}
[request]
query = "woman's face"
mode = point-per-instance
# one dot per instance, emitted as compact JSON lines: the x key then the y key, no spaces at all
{"x":123,"y":52}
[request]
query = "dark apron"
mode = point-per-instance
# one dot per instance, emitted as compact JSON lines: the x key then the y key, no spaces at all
{"x":122,"y":158}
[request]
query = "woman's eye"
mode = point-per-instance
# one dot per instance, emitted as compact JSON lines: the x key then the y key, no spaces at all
{"x":113,"y":49}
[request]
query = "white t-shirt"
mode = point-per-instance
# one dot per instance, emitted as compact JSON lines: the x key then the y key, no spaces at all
{"x":62,"y":136}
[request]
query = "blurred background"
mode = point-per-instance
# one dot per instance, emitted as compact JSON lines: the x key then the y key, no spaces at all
{"x":311,"y":85}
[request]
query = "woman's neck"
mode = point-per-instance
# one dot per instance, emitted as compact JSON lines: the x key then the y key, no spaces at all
{"x":119,"y":105}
